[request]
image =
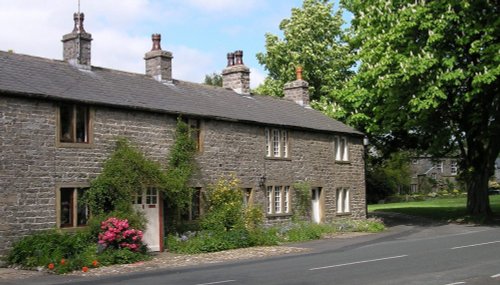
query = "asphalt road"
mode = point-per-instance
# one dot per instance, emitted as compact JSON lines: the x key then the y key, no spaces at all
{"x":409,"y":253}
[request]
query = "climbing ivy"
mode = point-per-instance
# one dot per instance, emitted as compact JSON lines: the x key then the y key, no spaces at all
{"x":125,"y":173}
{"x":181,"y":167}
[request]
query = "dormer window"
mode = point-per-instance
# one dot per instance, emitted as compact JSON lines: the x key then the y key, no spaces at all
{"x":277,"y":143}
{"x":74,"y":124}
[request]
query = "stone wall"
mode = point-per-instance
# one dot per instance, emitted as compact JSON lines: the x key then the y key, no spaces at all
{"x":32,"y":164}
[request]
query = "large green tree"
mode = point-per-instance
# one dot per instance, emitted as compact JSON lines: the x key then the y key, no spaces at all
{"x":312,"y":39}
{"x":428,"y":78}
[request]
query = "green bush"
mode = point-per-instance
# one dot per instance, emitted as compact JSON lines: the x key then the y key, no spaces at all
{"x":121,"y":256}
{"x":66,"y":251}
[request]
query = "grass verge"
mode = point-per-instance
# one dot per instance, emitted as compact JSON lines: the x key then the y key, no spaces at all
{"x":442,"y":209}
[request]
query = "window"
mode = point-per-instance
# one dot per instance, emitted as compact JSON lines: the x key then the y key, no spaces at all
{"x":247,"y":197}
{"x":413,"y":188}
{"x":343,"y":200}
{"x":278,"y":199}
{"x":193,"y":212}
{"x":71,"y":211}
{"x":74,"y":124}
{"x":438,"y":165}
{"x":453,"y":168}
{"x":341,"y":149}
{"x":414,"y":161}
{"x":277,"y":143}
{"x":195,"y":132}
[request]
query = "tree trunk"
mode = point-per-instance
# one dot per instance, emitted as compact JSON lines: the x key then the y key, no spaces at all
{"x":478,"y":201}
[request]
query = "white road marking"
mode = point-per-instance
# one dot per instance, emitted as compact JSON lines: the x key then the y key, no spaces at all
{"x":217,"y":282}
{"x":477,"y":244}
{"x":495,"y":276}
{"x":358,"y":262}
{"x":456,"y":283}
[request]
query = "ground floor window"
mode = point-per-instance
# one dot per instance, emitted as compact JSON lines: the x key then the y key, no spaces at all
{"x":247,"y":197}
{"x":72,"y":212}
{"x":278,"y":199}
{"x":343,"y":200}
{"x":193,"y":212}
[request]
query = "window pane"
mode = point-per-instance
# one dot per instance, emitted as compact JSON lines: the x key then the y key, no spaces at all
{"x":286,"y":199}
{"x":268,"y":143}
{"x":345,"y":151}
{"x":284,"y":142}
{"x":339,"y":201}
{"x":82,"y":122}
{"x":337,"y":148}
{"x":276,"y":143}
{"x":277,"y":199}
{"x":83,"y":211}
{"x":346,"y":201}
{"x":269,"y":195}
{"x":66,"y":207}
{"x":66,"y":123}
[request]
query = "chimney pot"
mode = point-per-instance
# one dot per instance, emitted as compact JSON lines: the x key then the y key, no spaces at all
{"x":238,"y":57}
{"x":78,"y":18}
{"x":230,"y":59}
{"x":156,"y":42}
{"x":298,"y":72}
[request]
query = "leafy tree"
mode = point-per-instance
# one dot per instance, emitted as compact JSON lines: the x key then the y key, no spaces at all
{"x":387,"y":176}
{"x":428,"y":78}
{"x":312,"y":38}
{"x":214,"y":79}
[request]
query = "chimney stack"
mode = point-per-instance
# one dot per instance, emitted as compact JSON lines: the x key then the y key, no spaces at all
{"x":76,"y":45}
{"x":158,"y":61}
{"x":297,"y":91}
{"x":236,"y":75}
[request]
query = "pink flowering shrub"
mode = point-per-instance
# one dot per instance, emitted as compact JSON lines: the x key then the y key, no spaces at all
{"x":115,"y":233}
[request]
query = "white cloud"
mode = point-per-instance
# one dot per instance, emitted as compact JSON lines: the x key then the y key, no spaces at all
{"x":191,"y":64}
{"x":256,"y":77}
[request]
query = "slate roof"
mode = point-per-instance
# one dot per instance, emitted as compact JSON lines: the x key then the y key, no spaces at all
{"x":23,"y":75}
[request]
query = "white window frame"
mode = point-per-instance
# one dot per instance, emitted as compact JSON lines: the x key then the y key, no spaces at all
{"x":454,"y":168}
{"x":438,"y":165}
{"x":343,"y":201}
{"x":341,"y":146}
{"x":277,"y":143}
{"x":278,"y":200}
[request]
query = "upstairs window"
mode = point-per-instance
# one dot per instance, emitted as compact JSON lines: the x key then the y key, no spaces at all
{"x":74,"y":124}
{"x":438,"y":165}
{"x":453,"y":168}
{"x":71,"y":211}
{"x":341,"y":147}
{"x":276,"y":143}
{"x":195,"y":132}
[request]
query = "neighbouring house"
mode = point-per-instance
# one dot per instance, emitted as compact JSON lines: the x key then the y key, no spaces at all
{"x":433,"y":174}
{"x":59,"y":121}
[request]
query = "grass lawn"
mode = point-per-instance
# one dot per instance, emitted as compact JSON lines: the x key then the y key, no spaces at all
{"x":443,"y":209}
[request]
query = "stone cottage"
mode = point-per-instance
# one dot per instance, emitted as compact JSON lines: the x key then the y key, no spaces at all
{"x":59,"y":120}
{"x":432,"y":174}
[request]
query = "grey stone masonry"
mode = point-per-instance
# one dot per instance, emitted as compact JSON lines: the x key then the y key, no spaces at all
{"x":76,"y":45}
{"x":159,"y":62}
{"x":298,"y":90}
{"x":236,"y":75}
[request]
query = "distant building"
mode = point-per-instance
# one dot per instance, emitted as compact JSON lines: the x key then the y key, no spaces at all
{"x":431,"y":174}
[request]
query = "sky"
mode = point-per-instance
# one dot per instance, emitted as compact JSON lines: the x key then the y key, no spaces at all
{"x":199,"y":33}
